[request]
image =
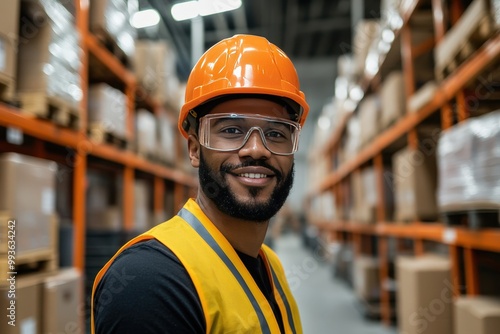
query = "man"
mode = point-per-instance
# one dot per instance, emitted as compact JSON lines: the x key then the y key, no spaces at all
{"x":206,"y":270}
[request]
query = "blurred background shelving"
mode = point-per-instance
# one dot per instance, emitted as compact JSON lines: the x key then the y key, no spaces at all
{"x":399,"y":161}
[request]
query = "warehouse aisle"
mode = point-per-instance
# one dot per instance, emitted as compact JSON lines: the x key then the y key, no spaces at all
{"x":327,"y":306}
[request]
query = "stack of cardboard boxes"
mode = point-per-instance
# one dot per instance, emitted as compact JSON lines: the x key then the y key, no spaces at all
{"x":35,"y":294}
{"x":9,"y":37}
{"x":49,"y":58}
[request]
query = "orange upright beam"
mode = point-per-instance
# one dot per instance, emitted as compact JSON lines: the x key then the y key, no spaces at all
{"x":471,"y":272}
{"x":79,"y":203}
{"x":128,"y":198}
{"x":455,"y":269}
{"x":159,"y":192}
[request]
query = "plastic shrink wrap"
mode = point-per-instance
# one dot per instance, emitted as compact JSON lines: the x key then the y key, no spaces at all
{"x":469,"y":164}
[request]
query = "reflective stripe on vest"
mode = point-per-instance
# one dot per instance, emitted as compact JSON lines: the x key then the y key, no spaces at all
{"x":284,"y":300}
{"x":202,"y":231}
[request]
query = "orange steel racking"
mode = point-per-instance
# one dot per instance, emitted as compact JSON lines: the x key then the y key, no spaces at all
{"x":337,"y":181}
{"x":77,"y":140}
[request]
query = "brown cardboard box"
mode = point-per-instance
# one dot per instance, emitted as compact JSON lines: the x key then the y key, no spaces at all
{"x":9,"y":29}
{"x":424,"y":295}
{"x":28,"y":196}
{"x":415,"y":183}
{"x":369,"y":118}
{"x":63,"y":304}
{"x":107,"y":219}
{"x":154,"y":65}
{"x":367,"y":212}
{"x":392,"y":99}
{"x":366,"y":278}
{"x":27,"y":306}
{"x":478,"y":315}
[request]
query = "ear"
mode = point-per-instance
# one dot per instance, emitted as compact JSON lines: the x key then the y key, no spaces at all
{"x":194,"y":150}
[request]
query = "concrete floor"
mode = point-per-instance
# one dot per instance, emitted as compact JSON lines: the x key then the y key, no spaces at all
{"x":326,"y":305}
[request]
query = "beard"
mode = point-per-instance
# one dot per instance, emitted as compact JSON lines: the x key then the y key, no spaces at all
{"x":214,"y":186}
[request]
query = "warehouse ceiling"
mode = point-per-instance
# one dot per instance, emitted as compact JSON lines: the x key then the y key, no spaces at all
{"x":313,"y":33}
{"x":307,"y":30}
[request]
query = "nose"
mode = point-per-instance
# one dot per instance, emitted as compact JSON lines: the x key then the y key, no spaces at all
{"x":254,"y":146}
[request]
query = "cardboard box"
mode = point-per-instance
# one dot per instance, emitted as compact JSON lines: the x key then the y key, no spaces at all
{"x":367,"y":278}
{"x":28,"y":195}
{"x":63,"y":303}
{"x":392,"y":99}
{"x":27,"y":306}
{"x":415,"y":184}
{"x":367,"y":212}
{"x":478,"y":315}
{"x":107,"y":219}
{"x":424,"y":295}
{"x":477,"y":23}
{"x":9,"y":30}
{"x":369,"y":118}
{"x":154,"y":65}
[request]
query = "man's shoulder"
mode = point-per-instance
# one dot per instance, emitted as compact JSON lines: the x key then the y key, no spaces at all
{"x":146,"y":256}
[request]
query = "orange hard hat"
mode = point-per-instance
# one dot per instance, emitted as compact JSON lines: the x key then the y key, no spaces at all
{"x":242,"y":64}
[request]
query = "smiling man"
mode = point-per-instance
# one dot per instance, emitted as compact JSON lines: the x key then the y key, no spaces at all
{"x":206,"y":270}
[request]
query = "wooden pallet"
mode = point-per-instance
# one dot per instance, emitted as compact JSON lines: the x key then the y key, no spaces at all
{"x":29,"y":261}
{"x":99,"y":133}
{"x":473,"y":216}
{"x":54,"y":109}
{"x":111,"y":45}
{"x":7,"y":88}
{"x":474,"y":28}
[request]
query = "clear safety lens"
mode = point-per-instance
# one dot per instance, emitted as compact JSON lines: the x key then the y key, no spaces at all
{"x":230,"y":132}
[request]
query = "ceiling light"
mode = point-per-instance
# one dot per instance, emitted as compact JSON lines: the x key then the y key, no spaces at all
{"x":191,"y":9}
{"x":185,"y":10}
{"x":145,"y":18}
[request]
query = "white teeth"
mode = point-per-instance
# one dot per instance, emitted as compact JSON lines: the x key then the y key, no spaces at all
{"x":253,"y":175}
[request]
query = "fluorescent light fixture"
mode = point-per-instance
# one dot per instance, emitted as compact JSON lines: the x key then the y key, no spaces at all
{"x":185,"y":10}
{"x":209,"y":7}
{"x":191,"y":9}
{"x":145,"y":18}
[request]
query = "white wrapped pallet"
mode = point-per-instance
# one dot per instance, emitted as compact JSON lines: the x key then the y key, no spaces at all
{"x":113,"y":17}
{"x":146,"y":133}
{"x":166,"y":139}
{"x":469,"y":164}
{"x":107,"y":109}
{"x":49,"y":62}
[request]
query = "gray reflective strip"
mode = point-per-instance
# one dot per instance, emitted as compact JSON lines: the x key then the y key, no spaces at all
{"x":202,"y":231}
{"x":284,"y":299}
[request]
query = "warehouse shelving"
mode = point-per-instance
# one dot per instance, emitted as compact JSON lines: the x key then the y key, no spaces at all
{"x":336,"y":182}
{"x":82,"y":151}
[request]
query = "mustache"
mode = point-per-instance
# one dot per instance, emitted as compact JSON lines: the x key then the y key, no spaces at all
{"x":227,"y":168}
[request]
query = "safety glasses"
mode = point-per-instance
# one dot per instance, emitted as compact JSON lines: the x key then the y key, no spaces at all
{"x":230,"y":132}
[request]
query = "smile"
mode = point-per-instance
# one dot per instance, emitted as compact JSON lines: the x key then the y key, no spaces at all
{"x":253,"y":175}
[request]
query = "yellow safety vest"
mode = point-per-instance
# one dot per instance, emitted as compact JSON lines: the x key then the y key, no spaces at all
{"x":231,"y":300}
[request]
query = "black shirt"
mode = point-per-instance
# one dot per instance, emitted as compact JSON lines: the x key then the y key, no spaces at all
{"x":148,"y":290}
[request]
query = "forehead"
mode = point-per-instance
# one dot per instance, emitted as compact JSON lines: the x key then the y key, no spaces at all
{"x":251,"y":106}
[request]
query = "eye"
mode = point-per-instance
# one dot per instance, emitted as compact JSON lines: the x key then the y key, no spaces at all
{"x":231,"y":130}
{"x":276,"y":135}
